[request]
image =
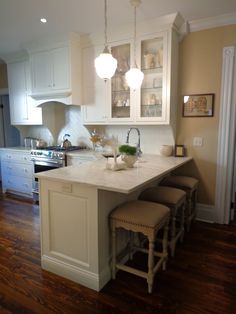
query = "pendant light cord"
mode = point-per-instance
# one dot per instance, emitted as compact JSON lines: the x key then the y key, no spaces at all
{"x":105,"y":16}
{"x":135,"y":65}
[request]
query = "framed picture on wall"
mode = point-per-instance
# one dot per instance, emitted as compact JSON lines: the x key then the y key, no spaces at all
{"x":199,"y":105}
{"x":179,"y":151}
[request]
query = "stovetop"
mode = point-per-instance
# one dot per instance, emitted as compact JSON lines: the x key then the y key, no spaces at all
{"x":62,"y":149}
{"x":53,"y":152}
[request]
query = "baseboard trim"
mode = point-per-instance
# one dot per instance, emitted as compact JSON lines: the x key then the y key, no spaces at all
{"x":78,"y":275}
{"x":206,"y":213}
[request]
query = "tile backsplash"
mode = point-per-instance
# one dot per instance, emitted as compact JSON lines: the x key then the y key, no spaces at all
{"x":60,"y":119}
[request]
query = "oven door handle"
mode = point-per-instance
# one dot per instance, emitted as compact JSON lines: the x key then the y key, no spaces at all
{"x":47,"y":163}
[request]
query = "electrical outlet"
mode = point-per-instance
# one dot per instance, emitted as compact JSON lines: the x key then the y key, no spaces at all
{"x":197,"y":141}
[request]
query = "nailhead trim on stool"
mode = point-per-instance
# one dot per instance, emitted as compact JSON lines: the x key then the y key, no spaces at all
{"x":173,"y":198}
{"x":147,"y":218}
{"x":190,"y":186}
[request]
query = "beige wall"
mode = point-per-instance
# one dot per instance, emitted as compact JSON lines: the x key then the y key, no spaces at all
{"x":200,"y":72}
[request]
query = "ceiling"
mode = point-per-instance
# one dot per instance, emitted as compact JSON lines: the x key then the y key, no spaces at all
{"x":20,"y":19}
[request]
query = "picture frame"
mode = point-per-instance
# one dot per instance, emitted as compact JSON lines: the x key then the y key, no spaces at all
{"x":198,"y":105}
{"x":179,"y":151}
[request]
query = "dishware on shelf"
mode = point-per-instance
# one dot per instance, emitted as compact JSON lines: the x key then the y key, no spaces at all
{"x":148,"y":60}
{"x":159,"y":58}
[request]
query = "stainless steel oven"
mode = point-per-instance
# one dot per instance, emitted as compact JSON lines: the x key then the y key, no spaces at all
{"x":49,"y":158}
{"x":44,"y":160}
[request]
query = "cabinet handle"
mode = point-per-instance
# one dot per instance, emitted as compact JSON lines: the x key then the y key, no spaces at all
{"x":53,"y":85}
{"x":25,"y":170}
{"x":9,"y":168}
{"x":25,"y":158}
{"x":9,"y":156}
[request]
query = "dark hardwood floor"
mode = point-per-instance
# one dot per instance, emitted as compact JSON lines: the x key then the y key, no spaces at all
{"x":200,"y":279}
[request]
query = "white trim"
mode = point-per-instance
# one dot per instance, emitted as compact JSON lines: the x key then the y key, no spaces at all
{"x":226,"y":138}
{"x":211,"y":22}
{"x":206,"y":213}
{"x":76,"y":274}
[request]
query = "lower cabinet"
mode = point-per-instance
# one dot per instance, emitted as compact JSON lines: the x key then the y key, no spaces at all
{"x":17,"y":172}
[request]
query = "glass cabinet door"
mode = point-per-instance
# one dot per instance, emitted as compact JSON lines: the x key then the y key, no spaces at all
{"x":120,"y":91}
{"x":151,"y":92}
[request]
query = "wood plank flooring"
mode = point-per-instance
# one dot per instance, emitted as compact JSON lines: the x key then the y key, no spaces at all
{"x":201,"y":278}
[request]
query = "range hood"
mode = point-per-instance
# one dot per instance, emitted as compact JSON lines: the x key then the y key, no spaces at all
{"x":64,"y":97}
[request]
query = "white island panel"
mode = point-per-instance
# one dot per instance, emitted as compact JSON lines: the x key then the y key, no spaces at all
{"x":75,"y":204}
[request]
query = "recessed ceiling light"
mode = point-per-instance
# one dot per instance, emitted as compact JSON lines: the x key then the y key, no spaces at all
{"x":43,"y":20}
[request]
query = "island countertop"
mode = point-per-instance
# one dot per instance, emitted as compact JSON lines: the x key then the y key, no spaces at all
{"x":94,"y":173}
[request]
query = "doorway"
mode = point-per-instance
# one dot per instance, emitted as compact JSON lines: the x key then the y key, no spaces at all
{"x":226,"y":138}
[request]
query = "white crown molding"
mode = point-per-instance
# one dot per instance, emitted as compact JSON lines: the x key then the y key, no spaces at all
{"x":211,"y":22}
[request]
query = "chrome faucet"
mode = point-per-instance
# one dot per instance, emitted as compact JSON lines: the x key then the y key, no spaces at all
{"x":139,"y":152}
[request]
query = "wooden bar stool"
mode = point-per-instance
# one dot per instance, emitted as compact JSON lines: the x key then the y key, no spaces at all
{"x":189,"y":185}
{"x":173,"y":198}
{"x":147,"y":218}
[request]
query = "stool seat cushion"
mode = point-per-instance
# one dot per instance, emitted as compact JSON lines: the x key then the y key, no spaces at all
{"x":180,"y":181}
{"x":141,"y":213}
{"x":163,"y":194}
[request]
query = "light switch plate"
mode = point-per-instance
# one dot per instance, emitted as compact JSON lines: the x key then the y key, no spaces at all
{"x":197,"y":141}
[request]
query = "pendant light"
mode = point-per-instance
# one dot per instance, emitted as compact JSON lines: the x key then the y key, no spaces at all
{"x":105,"y":64}
{"x":134,"y":77}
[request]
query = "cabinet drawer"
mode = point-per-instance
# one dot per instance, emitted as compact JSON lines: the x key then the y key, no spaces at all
{"x":17,"y":169}
{"x":16,"y":156}
{"x":17,"y":184}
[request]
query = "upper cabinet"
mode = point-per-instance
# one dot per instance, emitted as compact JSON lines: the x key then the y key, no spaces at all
{"x":56,"y":73}
{"x":155,"y":101}
{"x":23,"y":110}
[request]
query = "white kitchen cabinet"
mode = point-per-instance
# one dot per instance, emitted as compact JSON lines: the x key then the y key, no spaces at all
{"x":155,"y":102}
{"x":50,"y":70}
{"x":17,"y":172}
{"x":95,"y":91}
{"x":56,"y":71}
{"x":23,"y":110}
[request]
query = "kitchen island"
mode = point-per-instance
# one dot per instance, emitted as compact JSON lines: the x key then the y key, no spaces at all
{"x":75,"y":203}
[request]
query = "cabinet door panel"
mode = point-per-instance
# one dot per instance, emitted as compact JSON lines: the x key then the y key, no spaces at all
{"x":61,"y":68}
{"x":17,"y":92}
{"x":120,"y":91}
{"x":41,"y":67}
{"x":95,"y":109}
{"x":153,"y":93}
{"x":22,"y":107}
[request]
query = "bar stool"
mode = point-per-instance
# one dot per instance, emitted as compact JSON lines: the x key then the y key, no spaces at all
{"x":147,"y":218}
{"x":175,"y":199}
{"x":190,"y":186}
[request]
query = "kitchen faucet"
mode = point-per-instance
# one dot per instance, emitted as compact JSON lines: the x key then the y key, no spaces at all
{"x":139,"y":152}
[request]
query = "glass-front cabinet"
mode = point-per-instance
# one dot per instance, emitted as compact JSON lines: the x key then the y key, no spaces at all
{"x":151,"y":98}
{"x":120,"y":91}
{"x":114,"y":103}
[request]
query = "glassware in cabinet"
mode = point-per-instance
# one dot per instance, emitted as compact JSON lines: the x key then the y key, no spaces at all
{"x":120,"y":91}
{"x":152,"y":66}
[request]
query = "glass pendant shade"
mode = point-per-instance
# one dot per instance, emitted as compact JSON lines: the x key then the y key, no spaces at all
{"x":134,"y":78}
{"x":105,"y":65}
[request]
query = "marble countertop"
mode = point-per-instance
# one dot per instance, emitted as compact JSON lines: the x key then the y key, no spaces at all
{"x":94,"y":173}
